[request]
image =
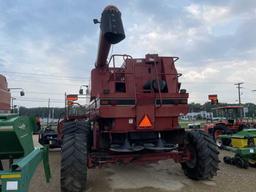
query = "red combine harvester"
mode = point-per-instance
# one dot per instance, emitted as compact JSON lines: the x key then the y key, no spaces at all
{"x":5,"y":96}
{"x":132,"y":116}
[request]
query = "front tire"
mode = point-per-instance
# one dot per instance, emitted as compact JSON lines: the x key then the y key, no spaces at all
{"x":74,"y":157}
{"x":220,"y":130}
{"x":205,"y":160}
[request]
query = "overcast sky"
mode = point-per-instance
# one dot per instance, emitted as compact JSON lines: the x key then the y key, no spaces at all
{"x":49,"y":47}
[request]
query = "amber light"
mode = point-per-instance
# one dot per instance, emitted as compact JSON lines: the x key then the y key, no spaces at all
{"x":72,"y":97}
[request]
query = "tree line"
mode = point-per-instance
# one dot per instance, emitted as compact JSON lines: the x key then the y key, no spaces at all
{"x":42,"y":112}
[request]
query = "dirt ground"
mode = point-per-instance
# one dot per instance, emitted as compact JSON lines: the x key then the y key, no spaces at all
{"x":165,"y":176}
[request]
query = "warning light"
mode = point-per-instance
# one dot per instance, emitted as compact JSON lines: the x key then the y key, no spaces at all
{"x":72,"y":97}
{"x":145,"y":122}
{"x":214,"y":99}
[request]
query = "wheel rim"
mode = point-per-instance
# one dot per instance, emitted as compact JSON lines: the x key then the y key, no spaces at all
{"x":218,"y":142}
{"x":252,"y":161}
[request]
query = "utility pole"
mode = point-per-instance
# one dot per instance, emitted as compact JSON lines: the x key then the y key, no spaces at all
{"x":253,"y":114}
{"x":48,"y":118}
{"x":239,"y":91}
{"x":12,"y":104}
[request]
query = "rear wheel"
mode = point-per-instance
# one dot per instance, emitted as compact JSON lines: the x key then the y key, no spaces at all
{"x":240,"y":162}
{"x":74,"y":157}
{"x":252,"y":162}
{"x":205,"y":160}
{"x":217,"y":131}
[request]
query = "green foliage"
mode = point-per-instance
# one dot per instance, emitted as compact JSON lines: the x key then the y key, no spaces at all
{"x":42,"y":112}
{"x":251,"y":109}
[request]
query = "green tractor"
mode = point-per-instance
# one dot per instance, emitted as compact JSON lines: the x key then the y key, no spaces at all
{"x":243,"y":145}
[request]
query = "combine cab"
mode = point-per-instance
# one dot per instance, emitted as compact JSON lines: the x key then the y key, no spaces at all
{"x":132,"y":116}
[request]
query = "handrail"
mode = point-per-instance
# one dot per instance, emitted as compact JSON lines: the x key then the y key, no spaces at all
{"x":125,"y":56}
{"x":175,"y":59}
{"x":158,"y":83}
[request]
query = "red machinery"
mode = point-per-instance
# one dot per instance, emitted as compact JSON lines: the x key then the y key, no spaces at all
{"x":132,"y":116}
{"x":5,"y":96}
{"x":231,"y":122}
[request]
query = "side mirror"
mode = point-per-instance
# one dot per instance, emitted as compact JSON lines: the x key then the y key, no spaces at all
{"x":22,"y":93}
{"x":183,"y":91}
{"x":96,"y":21}
{"x":81,"y":91}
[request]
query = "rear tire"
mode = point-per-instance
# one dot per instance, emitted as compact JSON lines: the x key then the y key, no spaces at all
{"x":217,"y":131}
{"x":1,"y":166}
{"x":240,"y":162}
{"x":74,"y":157}
{"x":205,"y":160}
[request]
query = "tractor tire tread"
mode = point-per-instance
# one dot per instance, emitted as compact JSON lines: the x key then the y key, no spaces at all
{"x":207,"y":159}
{"x":74,"y":157}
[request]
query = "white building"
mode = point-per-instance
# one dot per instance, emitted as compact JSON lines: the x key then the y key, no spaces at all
{"x":197,"y":115}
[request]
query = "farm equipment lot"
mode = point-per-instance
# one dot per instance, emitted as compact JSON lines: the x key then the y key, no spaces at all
{"x":162,"y":177}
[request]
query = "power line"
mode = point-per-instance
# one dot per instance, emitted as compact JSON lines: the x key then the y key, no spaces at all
{"x":27,"y":81}
{"x":46,"y":75}
{"x":43,"y":78}
{"x":45,"y":93}
{"x":200,"y":82}
{"x":37,"y":99}
{"x":46,"y":101}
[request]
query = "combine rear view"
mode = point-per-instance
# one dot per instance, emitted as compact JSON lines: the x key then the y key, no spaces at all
{"x":132,"y":116}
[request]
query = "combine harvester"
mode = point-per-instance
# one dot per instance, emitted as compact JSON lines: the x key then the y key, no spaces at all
{"x":16,"y":147}
{"x":132,"y":116}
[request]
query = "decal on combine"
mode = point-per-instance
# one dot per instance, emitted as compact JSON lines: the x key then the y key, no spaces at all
{"x":145,"y":122}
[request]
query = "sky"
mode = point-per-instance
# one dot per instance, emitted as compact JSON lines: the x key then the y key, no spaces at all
{"x":49,"y":47}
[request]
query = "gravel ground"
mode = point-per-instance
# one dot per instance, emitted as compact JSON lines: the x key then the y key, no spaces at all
{"x":161,"y":177}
